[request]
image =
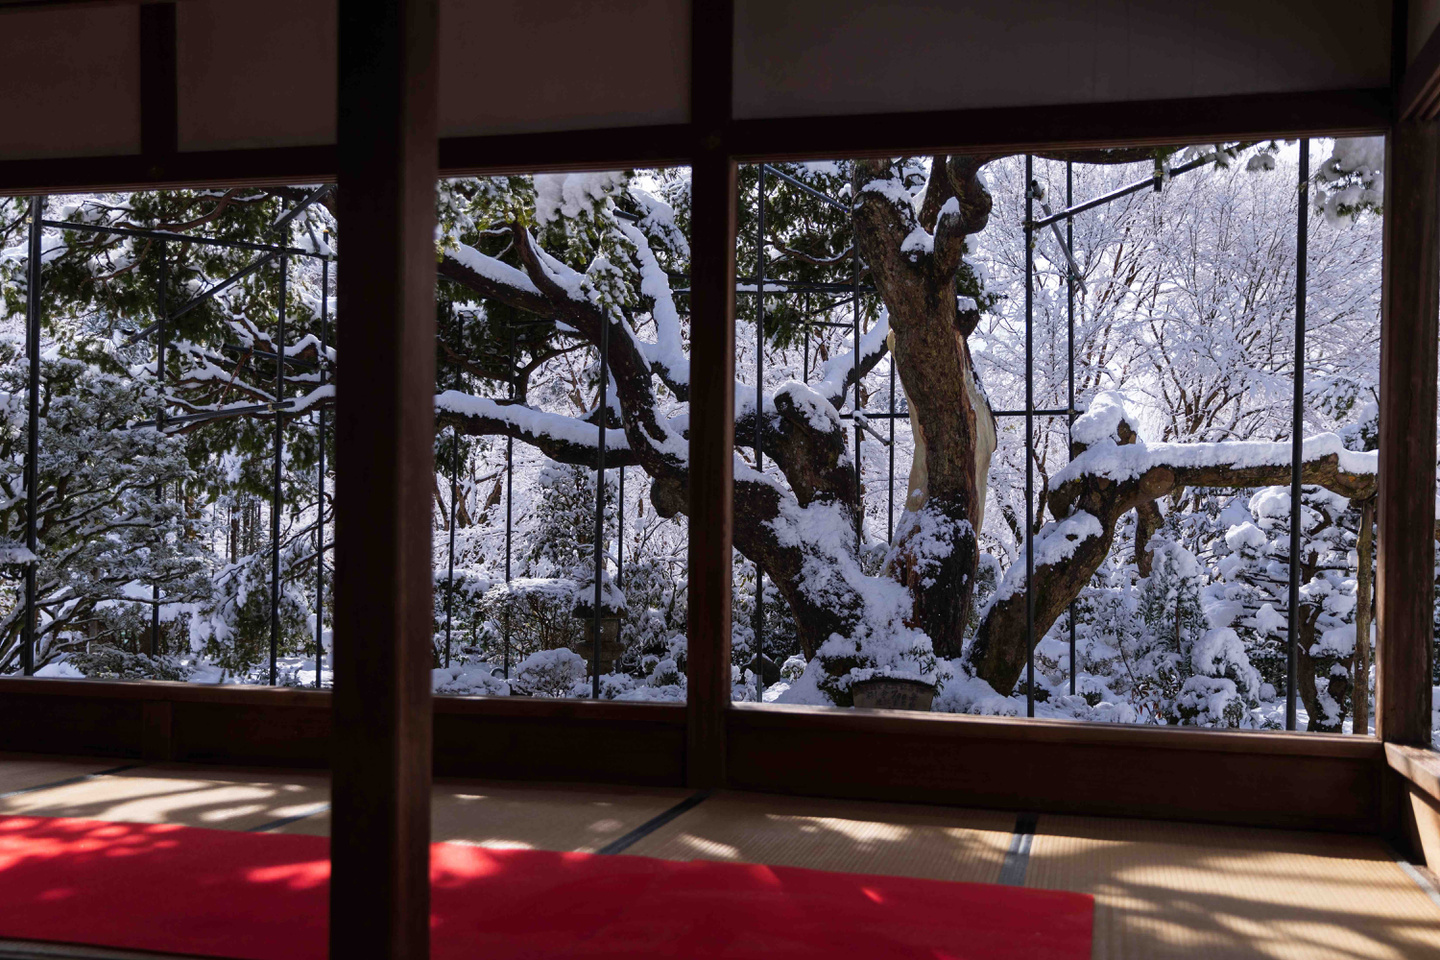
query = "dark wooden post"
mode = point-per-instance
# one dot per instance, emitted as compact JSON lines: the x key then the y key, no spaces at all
{"x":1410,"y":302}
{"x":384,"y":431}
{"x":712,"y":394}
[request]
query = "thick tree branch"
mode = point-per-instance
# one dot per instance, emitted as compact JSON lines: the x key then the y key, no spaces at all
{"x":465,"y":267}
{"x":560,"y":438}
{"x":1108,"y":478}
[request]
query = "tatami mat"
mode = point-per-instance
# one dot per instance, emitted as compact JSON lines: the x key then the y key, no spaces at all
{"x":1185,"y":890}
{"x":939,"y":843}
{"x":20,"y":772}
{"x":1162,"y":890}
{"x":194,"y":797}
{"x":548,"y":817}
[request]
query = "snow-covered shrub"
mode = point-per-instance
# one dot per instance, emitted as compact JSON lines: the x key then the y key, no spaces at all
{"x":468,"y":680}
{"x":549,"y":673}
{"x":962,"y":692}
{"x":665,"y":673}
{"x":1170,"y":597}
{"x":655,"y":603}
{"x":664,"y":682}
{"x":1253,"y":600}
{"x":563,"y":536}
{"x":1209,"y":702}
{"x":232,"y":628}
{"x":535,"y":612}
{"x":1052,"y":659}
{"x":105,"y":662}
{"x":1219,"y":654}
{"x":462,"y":602}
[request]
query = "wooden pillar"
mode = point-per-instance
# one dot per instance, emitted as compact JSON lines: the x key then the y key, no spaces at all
{"x":712,"y":394}
{"x":384,"y":431}
{"x":1410,"y":302}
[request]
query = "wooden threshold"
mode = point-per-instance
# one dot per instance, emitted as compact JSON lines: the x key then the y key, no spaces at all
{"x":517,"y":738}
{"x":1420,"y":766}
{"x":1312,"y":781}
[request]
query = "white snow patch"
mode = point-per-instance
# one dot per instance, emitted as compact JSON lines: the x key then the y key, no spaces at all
{"x":563,"y":196}
{"x":1102,"y":420}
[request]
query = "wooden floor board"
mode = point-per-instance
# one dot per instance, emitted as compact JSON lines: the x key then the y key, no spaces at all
{"x":1167,"y":890}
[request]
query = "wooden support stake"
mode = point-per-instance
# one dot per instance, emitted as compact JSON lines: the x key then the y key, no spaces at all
{"x":712,"y":396}
{"x":1410,"y":302}
{"x":384,"y":434}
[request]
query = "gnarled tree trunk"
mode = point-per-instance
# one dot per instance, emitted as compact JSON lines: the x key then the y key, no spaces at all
{"x":914,"y":266}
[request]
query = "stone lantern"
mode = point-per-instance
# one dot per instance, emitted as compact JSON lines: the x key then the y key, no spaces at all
{"x":612,"y":610}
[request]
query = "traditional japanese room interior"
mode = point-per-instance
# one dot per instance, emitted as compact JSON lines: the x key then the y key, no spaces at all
{"x":821,"y":485}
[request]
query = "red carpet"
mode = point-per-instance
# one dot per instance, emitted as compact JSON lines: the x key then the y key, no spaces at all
{"x":263,"y":897}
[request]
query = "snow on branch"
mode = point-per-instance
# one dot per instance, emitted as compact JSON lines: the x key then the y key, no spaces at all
{"x":325,"y":393}
{"x":667,"y":353}
{"x":490,"y":277}
{"x":1324,"y":461}
{"x":561,"y":438}
{"x":894,"y":190}
{"x":839,"y":373}
{"x":1055,"y":544}
{"x":1106,"y":418}
{"x":494,"y":270}
{"x":1107,"y":447}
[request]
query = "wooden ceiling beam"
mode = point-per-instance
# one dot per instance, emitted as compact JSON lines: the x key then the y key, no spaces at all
{"x":1013,"y":129}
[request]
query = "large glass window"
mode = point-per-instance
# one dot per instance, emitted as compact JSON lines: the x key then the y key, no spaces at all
{"x":175,"y":525}
{"x":181,"y":515}
{"x":1076,"y":503}
{"x":561,"y":394}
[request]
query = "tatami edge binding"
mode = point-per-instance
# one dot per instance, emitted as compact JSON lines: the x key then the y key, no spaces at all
{"x":70,"y":780}
{"x":620,"y":844}
{"x":295,"y":818}
{"x":1017,"y":858}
